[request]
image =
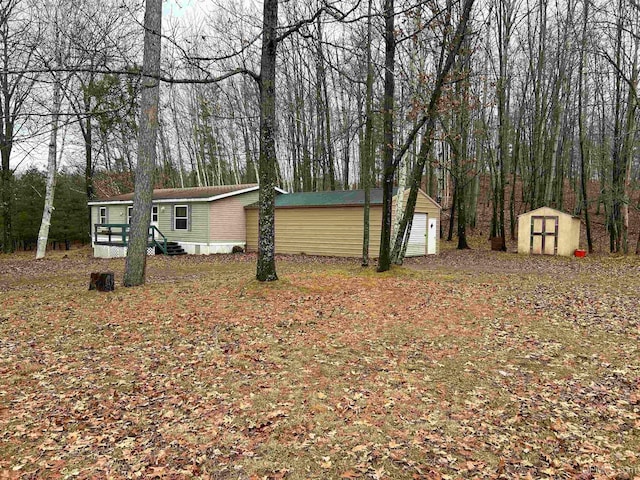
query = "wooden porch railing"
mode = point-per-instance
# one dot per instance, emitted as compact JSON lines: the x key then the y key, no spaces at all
{"x":118,"y":234}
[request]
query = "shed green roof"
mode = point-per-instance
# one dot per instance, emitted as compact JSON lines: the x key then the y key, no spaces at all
{"x":329,"y":198}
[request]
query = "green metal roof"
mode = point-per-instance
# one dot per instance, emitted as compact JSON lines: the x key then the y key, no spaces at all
{"x":329,"y":198}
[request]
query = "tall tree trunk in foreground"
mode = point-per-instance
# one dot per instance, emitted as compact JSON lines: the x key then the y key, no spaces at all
{"x":366,"y":152}
{"x":266,"y":268}
{"x":384,"y":260}
{"x":136,"y":262}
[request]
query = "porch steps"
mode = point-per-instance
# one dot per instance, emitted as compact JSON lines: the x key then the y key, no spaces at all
{"x":173,"y":248}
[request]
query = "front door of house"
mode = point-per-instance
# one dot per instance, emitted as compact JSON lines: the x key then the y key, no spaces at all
{"x":154,"y":219}
{"x":544,"y":235}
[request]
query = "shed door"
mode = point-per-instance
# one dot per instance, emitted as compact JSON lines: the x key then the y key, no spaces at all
{"x":432,"y":237}
{"x":418,"y":238}
{"x":544,"y":235}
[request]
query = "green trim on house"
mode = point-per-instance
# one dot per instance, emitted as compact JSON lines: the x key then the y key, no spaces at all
{"x":333,"y":198}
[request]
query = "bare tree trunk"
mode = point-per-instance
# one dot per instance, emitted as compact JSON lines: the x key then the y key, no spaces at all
{"x":6,"y":196}
{"x":384,"y":259}
{"x":324,"y":112}
{"x":614,"y":214}
{"x":629,"y":147}
{"x":87,"y":131}
{"x":366,"y":150}
{"x":266,"y":267}
{"x":584,"y":154}
{"x":52,"y":171}
{"x":178,"y":141}
{"x":460,"y":143}
{"x":16,"y":50}
{"x":135,"y":265}
{"x":452,"y":48}
{"x":402,"y":182}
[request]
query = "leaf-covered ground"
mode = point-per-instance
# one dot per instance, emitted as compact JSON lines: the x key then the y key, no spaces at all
{"x":466,"y":365}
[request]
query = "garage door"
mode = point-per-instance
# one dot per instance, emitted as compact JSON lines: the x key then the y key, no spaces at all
{"x":418,"y":237}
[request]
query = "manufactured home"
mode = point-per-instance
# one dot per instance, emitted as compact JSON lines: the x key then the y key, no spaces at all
{"x":199,"y":220}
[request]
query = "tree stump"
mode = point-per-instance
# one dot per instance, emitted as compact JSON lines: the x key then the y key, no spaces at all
{"x":498,"y":244}
{"x":102,"y":281}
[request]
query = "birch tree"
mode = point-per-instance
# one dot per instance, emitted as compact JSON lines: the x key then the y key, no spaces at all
{"x":57,"y":17}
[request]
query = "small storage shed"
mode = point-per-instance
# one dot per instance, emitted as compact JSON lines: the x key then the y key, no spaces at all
{"x":546,"y":231}
{"x":331,"y":223}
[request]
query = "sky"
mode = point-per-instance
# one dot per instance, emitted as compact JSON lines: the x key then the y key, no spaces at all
{"x":33,"y":153}
{"x":179,"y":8}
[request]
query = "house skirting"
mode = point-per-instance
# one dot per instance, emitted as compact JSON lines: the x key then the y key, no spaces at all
{"x":195,"y":248}
{"x":114,"y":251}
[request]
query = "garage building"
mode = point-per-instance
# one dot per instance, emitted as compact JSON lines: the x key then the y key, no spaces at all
{"x":331,"y":223}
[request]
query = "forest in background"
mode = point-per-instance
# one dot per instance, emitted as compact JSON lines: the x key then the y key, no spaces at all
{"x":541,"y":95}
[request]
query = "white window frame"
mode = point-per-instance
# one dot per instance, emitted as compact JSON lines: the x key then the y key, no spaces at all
{"x":129,"y":214}
{"x":176,"y":218}
{"x":154,"y":214}
{"x":102,"y":215}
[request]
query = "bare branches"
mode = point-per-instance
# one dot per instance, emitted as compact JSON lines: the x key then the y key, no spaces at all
{"x":443,"y":73}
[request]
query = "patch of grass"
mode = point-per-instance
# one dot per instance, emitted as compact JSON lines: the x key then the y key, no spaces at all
{"x":332,"y":371}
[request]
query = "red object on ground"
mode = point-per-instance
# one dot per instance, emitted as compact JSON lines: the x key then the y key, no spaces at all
{"x":580,"y":253}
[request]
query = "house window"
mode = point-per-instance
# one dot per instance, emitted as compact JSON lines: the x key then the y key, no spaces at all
{"x":129,"y":214}
{"x":180,"y":217}
{"x":154,"y":214}
{"x":103,"y":215}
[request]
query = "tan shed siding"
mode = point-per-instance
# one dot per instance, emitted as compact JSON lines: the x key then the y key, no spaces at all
{"x":524,"y":233}
{"x":335,"y":231}
{"x":227,"y":222}
{"x":199,"y":221}
{"x":568,"y":231}
{"x":569,"y":235}
{"x":251,"y":217}
{"x":424,"y":205}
